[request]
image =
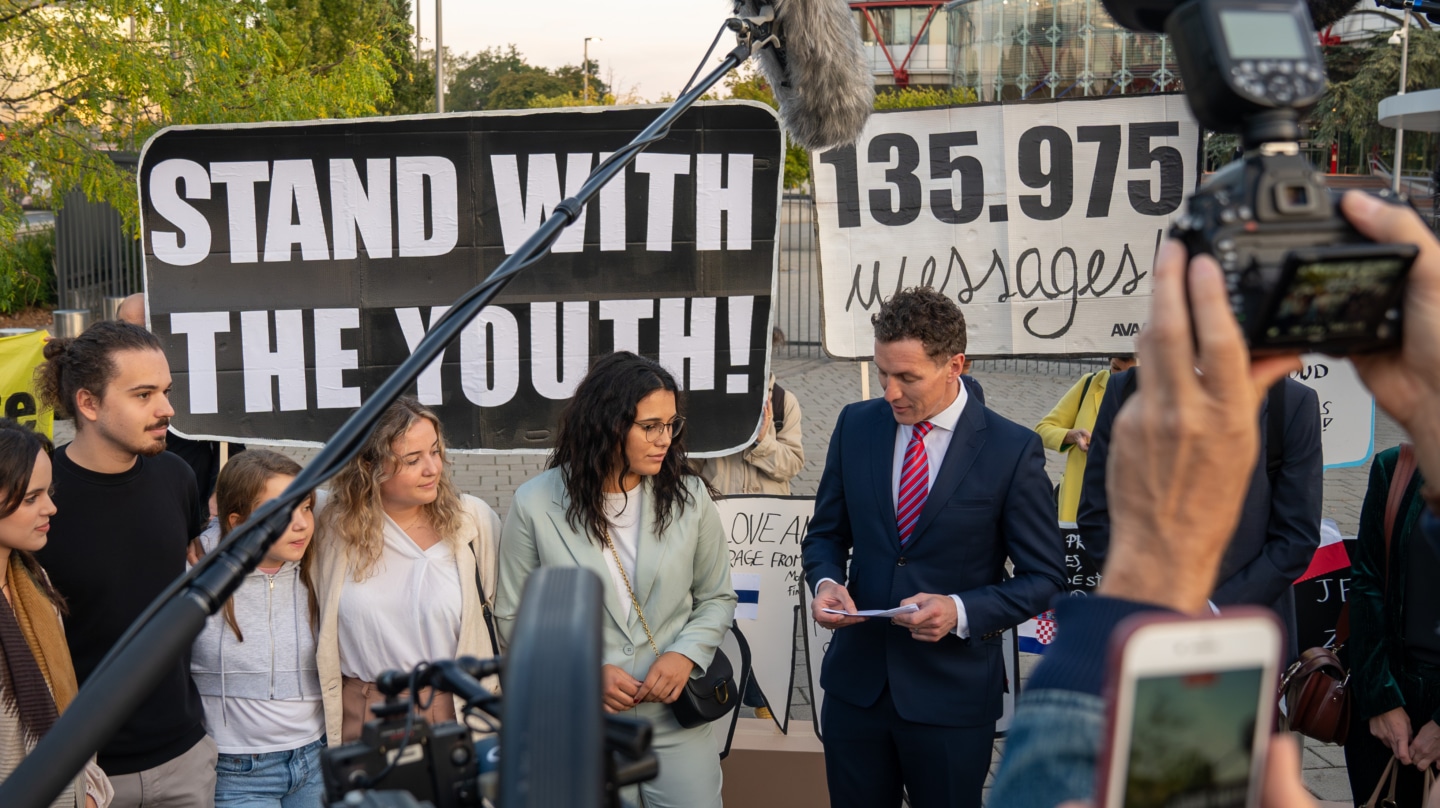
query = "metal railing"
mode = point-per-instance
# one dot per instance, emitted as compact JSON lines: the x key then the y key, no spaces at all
{"x":96,"y":256}
{"x":797,"y":301}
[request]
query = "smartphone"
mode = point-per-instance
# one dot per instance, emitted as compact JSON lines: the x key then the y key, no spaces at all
{"x":1191,"y":708}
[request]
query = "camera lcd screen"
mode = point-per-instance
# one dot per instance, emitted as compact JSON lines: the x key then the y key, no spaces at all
{"x":1262,"y":35}
{"x":1335,"y":299}
{"x":1191,"y":740}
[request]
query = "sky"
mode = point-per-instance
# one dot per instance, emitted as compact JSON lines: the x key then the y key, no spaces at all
{"x":650,"y":46}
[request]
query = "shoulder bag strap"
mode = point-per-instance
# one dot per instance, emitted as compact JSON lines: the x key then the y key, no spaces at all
{"x":485,"y":612}
{"x":1399,"y":482}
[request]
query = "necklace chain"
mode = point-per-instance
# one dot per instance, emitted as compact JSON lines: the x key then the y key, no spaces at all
{"x":633,"y":600}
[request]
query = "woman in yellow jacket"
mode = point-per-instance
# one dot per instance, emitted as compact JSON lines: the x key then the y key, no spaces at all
{"x":1068,"y":426}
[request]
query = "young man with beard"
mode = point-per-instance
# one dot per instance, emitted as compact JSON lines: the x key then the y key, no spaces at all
{"x":126,"y":511}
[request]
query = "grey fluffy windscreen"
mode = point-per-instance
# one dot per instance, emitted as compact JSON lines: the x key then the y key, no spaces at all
{"x":825,"y":88}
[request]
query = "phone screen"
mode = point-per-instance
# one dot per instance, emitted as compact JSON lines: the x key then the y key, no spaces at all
{"x":1191,"y":740}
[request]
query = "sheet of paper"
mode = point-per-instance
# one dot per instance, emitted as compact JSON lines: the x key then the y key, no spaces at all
{"x":906,"y":609}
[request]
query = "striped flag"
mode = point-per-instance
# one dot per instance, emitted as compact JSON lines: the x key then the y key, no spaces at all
{"x":1330,"y":555}
{"x":747,"y":586}
{"x":1037,"y":633}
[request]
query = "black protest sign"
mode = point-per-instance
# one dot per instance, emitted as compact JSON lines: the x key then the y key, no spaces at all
{"x":291,"y":267}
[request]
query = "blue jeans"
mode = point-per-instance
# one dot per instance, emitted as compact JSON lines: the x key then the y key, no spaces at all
{"x":1051,"y":752}
{"x":289,"y":779}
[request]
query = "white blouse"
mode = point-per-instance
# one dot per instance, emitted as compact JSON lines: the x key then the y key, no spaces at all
{"x":623,"y":512}
{"x":405,"y":613}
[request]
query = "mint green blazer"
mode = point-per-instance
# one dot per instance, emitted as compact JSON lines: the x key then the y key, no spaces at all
{"x":682,"y":579}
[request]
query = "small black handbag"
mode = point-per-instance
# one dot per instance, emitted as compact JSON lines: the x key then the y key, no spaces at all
{"x":703,"y":699}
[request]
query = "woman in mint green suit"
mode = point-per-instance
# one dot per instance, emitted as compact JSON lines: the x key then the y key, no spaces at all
{"x":619,"y":498}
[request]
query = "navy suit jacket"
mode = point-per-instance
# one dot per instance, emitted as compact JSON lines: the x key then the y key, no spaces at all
{"x":991,"y":501}
{"x":1279,"y":529}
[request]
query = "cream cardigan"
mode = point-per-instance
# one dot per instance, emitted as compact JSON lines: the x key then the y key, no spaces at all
{"x":478,"y":541}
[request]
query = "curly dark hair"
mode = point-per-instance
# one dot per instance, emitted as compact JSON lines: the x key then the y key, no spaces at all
{"x":590,"y":445}
{"x":87,"y":363}
{"x":924,"y":314}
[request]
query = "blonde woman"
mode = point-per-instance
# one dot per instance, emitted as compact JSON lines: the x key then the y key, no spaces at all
{"x":401,"y":563}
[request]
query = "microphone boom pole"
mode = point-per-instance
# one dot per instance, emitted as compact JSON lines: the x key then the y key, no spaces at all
{"x":135,"y":665}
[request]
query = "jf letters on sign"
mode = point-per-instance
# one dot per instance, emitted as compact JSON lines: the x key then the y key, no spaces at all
{"x":289,"y":268}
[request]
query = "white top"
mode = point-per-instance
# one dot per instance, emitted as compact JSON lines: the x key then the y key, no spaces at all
{"x":405,"y":613}
{"x":624,"y":512}
{"x":258,"y":726}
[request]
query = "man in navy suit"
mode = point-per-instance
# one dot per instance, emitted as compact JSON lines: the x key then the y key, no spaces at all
{"x":1280,"y":524}
{"x":924,"y":496}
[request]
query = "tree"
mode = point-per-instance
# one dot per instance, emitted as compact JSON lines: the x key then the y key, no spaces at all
{"x":477,"y":77}
{"x":500,"y":78}
{"x":81,"y":78}
{"x":1363,"y":75}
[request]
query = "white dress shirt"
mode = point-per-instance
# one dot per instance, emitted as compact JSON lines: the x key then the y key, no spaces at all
{"x":937,"y":442}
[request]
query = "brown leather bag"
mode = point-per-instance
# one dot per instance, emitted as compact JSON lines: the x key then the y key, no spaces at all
{"x":1315,"y":691}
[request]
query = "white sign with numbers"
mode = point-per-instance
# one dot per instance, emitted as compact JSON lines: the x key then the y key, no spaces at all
{"x":1041,"y":220}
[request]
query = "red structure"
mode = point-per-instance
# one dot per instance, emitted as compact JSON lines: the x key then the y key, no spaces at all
{"x":899,"y":69}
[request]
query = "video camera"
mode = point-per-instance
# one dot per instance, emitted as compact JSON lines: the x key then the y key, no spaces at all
{"x":560,"y":749}
{"x":1300,"y":277}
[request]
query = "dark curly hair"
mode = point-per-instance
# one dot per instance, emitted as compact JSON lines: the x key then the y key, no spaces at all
{"x":87,"y":363}
{"x":923,"y":314}
{"x":591,"y":441}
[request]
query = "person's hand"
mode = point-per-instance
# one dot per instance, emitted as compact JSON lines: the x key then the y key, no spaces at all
{"x":1079,"y":438}
{"x":1393,"y":730}
{"x":1425,"y":749}
{"x":1178,"y":478}
{"x":194,"y":551}
{"x":768,"y":420}
{"x":936,"y":618}
{"x":830,"y":595}
{"x":618,"y":689}
{"x":1406,"y":382}
{"x":667,"y":677}
{"x":90,"y":802}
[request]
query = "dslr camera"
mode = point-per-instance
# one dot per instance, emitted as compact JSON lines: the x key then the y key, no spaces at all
{"x":1300,"y":277}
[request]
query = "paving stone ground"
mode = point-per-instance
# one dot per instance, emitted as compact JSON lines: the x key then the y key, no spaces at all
{"x":823,"y":387}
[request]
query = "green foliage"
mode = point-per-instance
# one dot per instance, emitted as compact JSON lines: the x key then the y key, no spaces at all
{"x":1361,"y":76}
{"x":919,"y":97}
{"x":500,"y":78}
{"x":27,"y":271}
{"x":571,"y":100}
{"x":80,"y":78}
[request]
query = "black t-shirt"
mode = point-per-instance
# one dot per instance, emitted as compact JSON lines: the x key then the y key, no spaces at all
{"x":116,"y":541}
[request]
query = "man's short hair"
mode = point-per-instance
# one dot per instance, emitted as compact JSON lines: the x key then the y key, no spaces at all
{"x":923,"y":314}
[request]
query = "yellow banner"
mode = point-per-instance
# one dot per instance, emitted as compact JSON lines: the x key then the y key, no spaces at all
{"x":19,"y":356}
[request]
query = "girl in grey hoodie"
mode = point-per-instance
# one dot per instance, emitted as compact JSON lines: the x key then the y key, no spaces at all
{"x":254,"y":663}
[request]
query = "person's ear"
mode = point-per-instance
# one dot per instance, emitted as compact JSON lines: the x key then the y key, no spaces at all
{"x":87,"y":405}
{"x":234,"y":520}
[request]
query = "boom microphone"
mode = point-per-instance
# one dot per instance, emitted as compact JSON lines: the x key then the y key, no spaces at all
{"x":817,"y":69}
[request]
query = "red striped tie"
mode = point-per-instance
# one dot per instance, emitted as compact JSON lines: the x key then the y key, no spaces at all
{"x":914,"y":481}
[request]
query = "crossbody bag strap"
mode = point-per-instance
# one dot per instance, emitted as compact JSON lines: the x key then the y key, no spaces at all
{"x":633,"y":601}
{"x":485,"y":613}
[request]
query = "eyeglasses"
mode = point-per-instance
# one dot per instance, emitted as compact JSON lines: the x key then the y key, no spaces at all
{"x":653,"y":431}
